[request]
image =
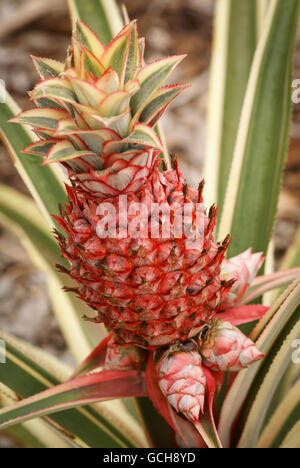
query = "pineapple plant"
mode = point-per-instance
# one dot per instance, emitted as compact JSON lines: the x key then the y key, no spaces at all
{"x":96,"y":115}
{"x":138,"y":243}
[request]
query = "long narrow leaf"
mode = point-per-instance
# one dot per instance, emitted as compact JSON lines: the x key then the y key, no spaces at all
{"x":42,"y":182}
{"x":265,"y":334}
{"x":28,"y":372}
{"x":292,"y":440}
{"x":292,"y":257}
{"x":81,"y":391}
{"x":254,"y":184}
{"x":287,"y":411}
{"x":253,"y":416}
{"x":37,"y":433}
{"x":235,"y":39}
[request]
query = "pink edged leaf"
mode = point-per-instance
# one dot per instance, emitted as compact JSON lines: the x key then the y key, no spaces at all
{"x":206,"y":425}
{"x":158,"y":399}
{"x":65,"y":151}
{"x":87,"y":93}
{"x":90,"y":64}
{"x":134,"y":60}
{"x":81,"y":391}
{"x":46,"y":119}
{"x":47,"y":68}
{"x":40,"y":148}
{"x":151,"y":77}
{"x":144,"y":135}
{"x":243,"y":314}
{"x":160,"y":100}
{"x":95,"y":359}
{"x":57,"y":89}
{"x":116,"y":53}
{"x":89,"y":39}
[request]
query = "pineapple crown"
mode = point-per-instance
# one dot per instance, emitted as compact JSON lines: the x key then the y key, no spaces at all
{"x":97,"y":113}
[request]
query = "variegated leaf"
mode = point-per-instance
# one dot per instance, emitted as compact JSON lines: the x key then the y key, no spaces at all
{"x":89,"y":39}
{"x":81,"y":391}
{"x":287,"y":413}
{"x":56,"y":88}
{"x":47,"y":68}
{"x":117,"y":52}
{"x":159,"y":101}
{"x":151,"y":78}
{"x":46,"y":119}
{"x":265,"y":335}
{"x":64,"y":151}
{"x":144,"y":135}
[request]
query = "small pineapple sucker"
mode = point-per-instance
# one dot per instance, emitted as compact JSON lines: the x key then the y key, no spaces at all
{"x":182,"y":380}
{"x":243,"y":269}
{"x":124,"y":357}
{"x":226,"y":349}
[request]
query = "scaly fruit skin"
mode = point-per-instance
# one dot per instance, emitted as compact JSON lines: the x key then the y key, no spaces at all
{"x":150,"y":291}
{"x":243,"y":269}
{"x":227,"y":349}
{"x":182,"y":381}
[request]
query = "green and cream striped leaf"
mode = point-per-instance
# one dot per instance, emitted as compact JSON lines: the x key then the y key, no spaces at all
{"x":36,"y":433}
{"x":292,"y":257}
{"x":77,"y":392}
{"x":259,"y":157}
{"x":64,"y":151}
{"x":151,"y":77}
{"x":284,"y":418}
{"x":56,"y":88}
{"x":161,"y":98}
{"x":292,"y":440}
{"x":47,"y":68}
{"x":266,"y":334}
{"x":291,"y":260}
{"x":43,"y":183}
{"x":253,"y":417}
{"x":261,"y":13}
{"x":145,"y":136}
{"x":29,"y":371}
{"x":44,"y":119}
{"x":235,"y":39}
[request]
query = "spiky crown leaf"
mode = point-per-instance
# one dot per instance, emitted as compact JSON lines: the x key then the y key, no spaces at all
{"x":102,"y":104}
